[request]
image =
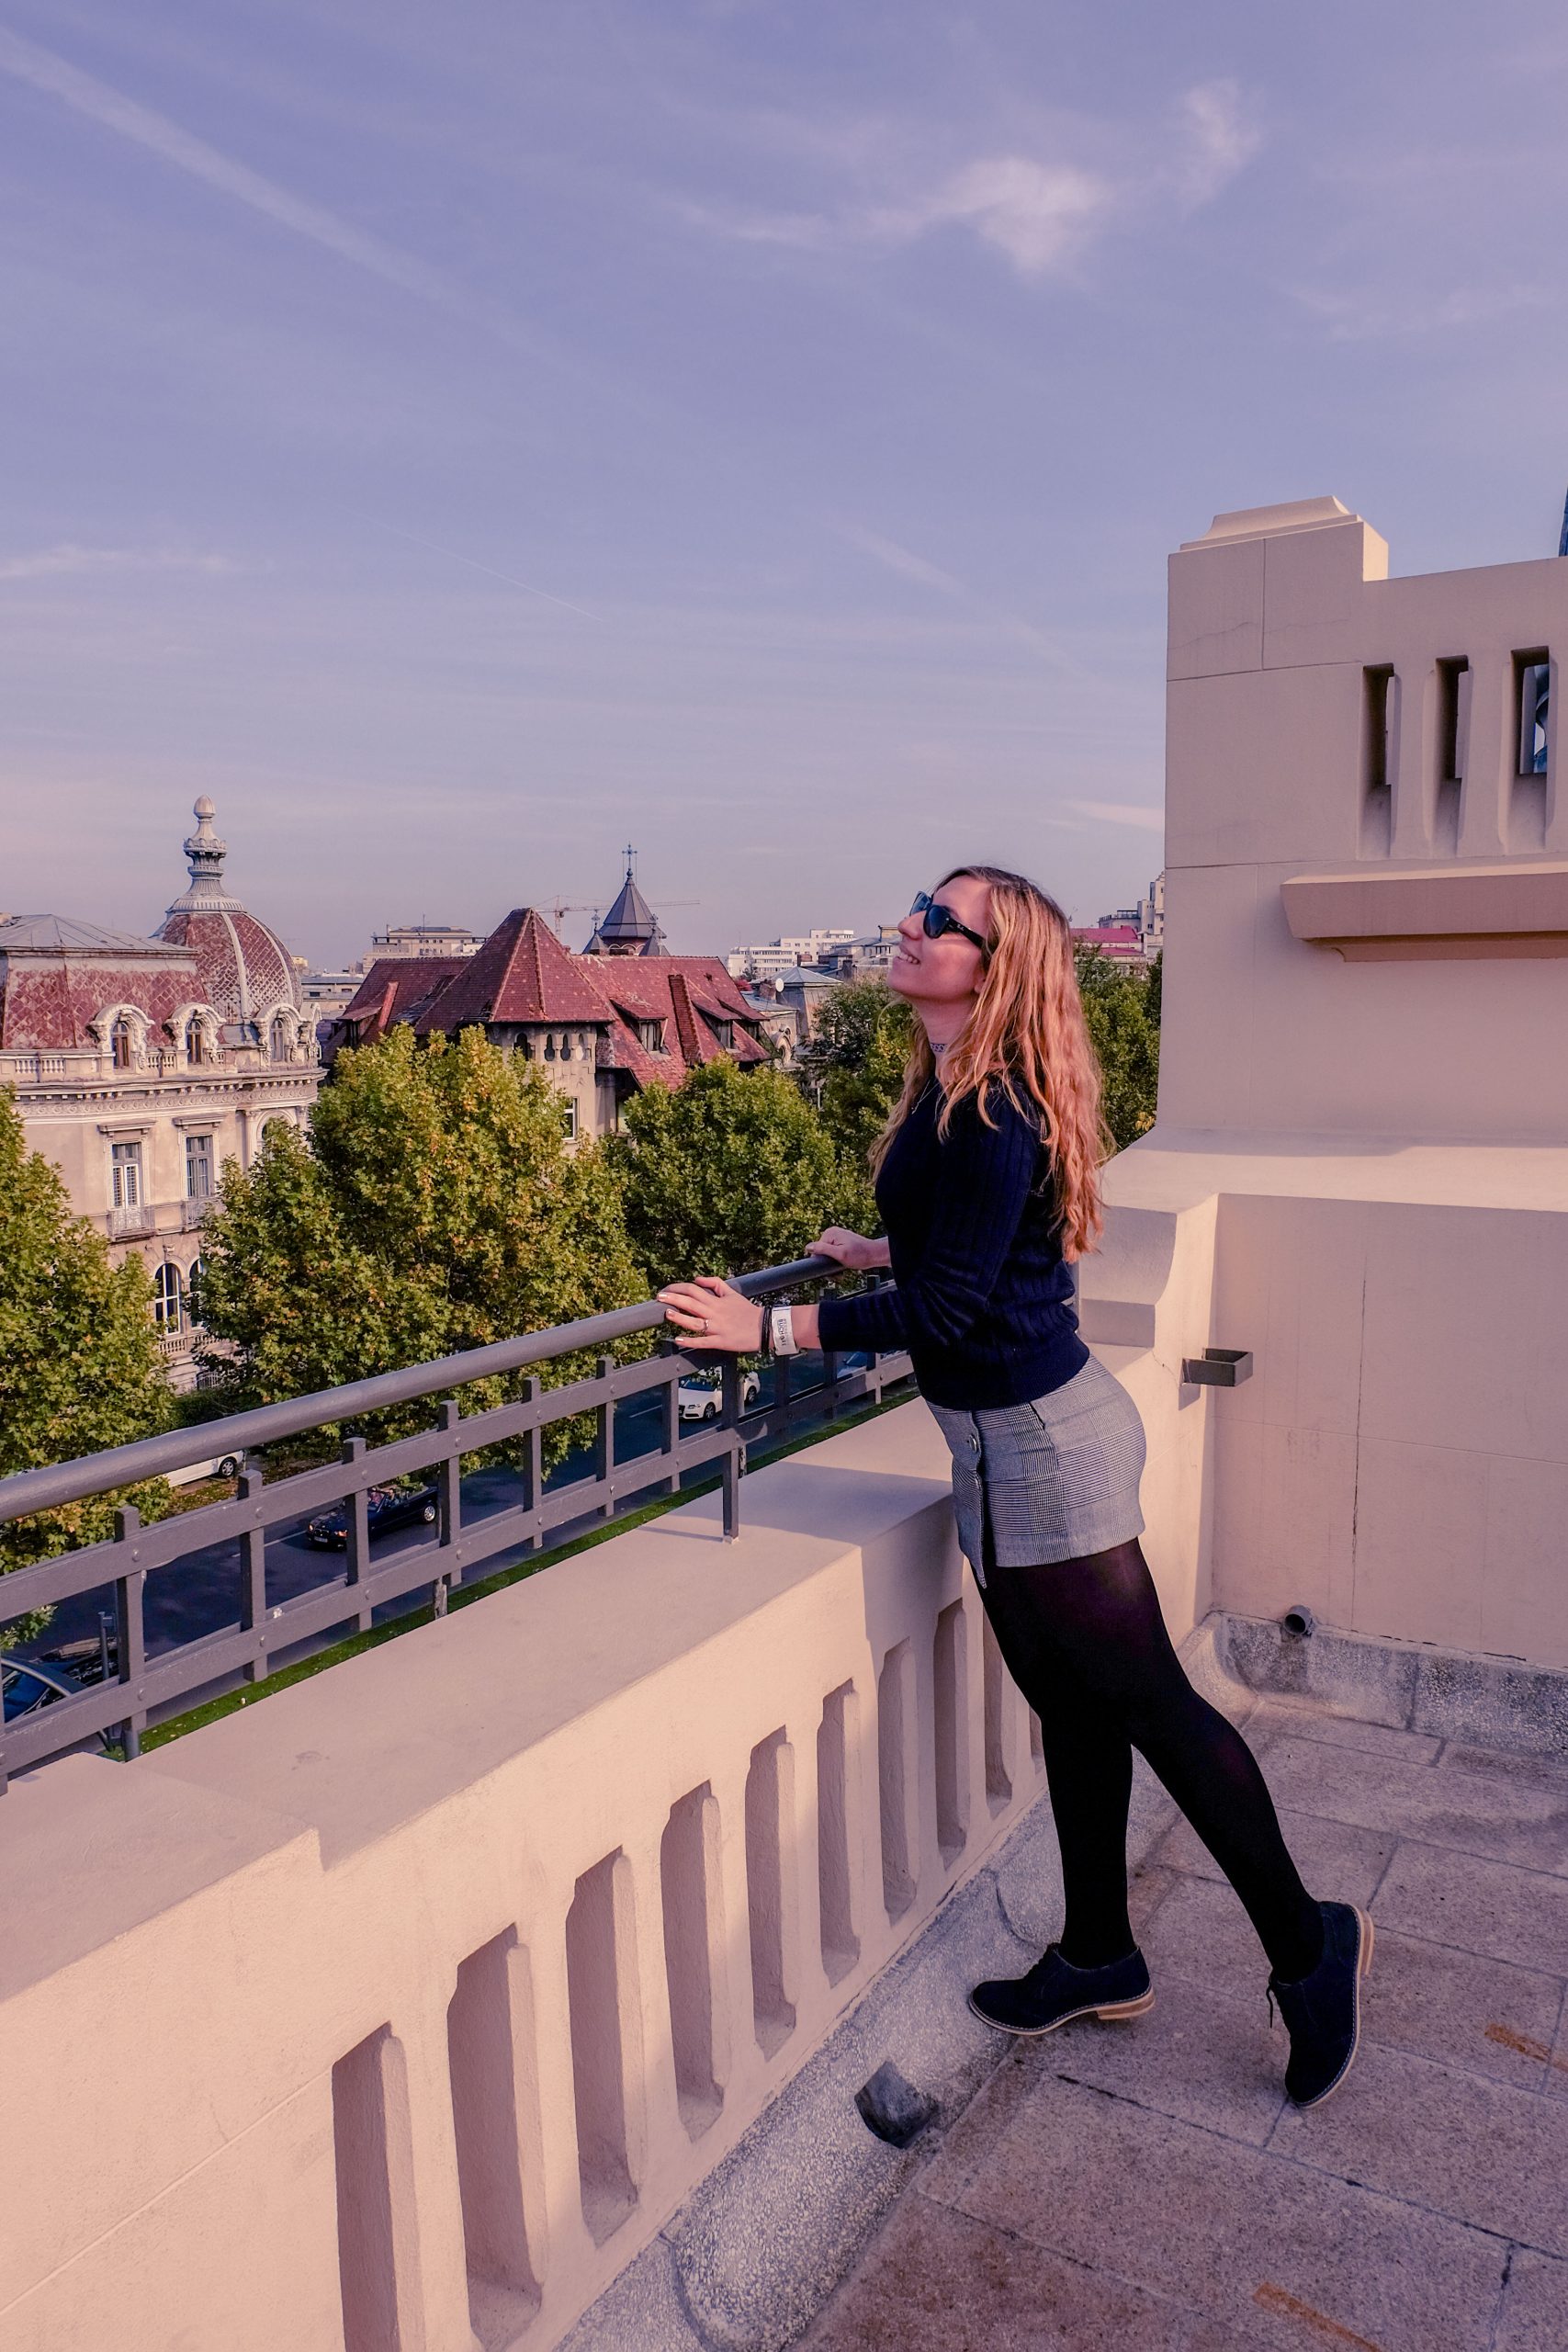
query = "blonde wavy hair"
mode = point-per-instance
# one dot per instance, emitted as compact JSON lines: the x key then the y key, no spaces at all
{"x":1028,"y":1034}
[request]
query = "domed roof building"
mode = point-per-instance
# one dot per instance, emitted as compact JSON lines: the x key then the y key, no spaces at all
{"x":142,"y":1065}
{"x":246,"y":973}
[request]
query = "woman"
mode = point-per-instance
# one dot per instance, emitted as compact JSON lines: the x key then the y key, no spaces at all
{"x":987,"y":1180}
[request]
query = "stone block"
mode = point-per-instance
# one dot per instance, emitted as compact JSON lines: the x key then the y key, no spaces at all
{"x":938,"y":2281}
{"x":1374,"y":1680}
{"x":1482,"y":2153}
{"x":1535,"y":2306}
{"x":1472,"y":1811}
{"x":1281,"y":2252}
{"x":1493,"y":1908}
{"x":1490,"y":1702}
{"x":1201,"y":2055}
{"x":1274,"y":1719}
{"x":1459,"y":2010}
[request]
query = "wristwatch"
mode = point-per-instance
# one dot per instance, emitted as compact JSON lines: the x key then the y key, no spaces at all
{"x":782,"y":1341}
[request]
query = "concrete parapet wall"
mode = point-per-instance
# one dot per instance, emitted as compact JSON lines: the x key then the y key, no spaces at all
{"x":402,"y":2009}
{"x":1359,"y":1167}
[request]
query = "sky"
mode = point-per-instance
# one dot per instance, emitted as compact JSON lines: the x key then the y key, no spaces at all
{"x":464,"y":440}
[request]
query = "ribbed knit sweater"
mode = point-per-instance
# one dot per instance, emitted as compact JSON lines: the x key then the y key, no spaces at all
{"x":981,"y":1295}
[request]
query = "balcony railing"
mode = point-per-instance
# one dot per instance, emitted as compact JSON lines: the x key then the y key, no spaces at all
{"x":458,"y":1546}
{"x":132,"y":1224}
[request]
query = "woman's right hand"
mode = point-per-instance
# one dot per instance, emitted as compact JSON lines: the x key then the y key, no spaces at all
{"x":850,"y":1250}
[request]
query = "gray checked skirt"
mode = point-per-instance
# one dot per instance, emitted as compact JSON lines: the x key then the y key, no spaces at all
{"x":1049,"y":1479}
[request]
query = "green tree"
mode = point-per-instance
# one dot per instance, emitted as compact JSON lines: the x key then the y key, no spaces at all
{"x":436,"y":1208}
{"x":855,"y":1062}
{"x":1121,"y":1008}
{"x":730,"y":1171}
{"x":79,"y":1363}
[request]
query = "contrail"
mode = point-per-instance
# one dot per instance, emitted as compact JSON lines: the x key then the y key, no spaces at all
{"x":86,"y":96}
{"x":511,"y":580}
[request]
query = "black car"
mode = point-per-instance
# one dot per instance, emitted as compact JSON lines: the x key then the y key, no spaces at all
{"x":386,"y":1507}
{"x":26,"y":1684}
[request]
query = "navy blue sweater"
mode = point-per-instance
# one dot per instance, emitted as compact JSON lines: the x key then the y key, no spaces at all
{"x":981,"y":1296}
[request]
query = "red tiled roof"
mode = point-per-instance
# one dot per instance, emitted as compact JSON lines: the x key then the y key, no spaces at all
{"x":395,"y":988}
{"x":523,"y":976}
{"x":1115,"y":938}
{"x":522,"y":973}
{"x":49,"y":992}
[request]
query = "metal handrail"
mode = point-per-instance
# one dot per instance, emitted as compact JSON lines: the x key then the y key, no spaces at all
{"x":26,"y":1491}
{"x":139,"y":1685}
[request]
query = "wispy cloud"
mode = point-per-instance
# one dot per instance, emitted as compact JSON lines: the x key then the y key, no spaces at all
{"x":1122,"y":812}
{"x":1219,"y":140}
{"x":68,"y":560}
{"x":1034,"y":213}
{"x":1367,"y":314}
{"x":1037,"y":210}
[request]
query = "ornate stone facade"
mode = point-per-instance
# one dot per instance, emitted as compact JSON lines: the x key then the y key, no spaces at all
{"x":139,"y":1066}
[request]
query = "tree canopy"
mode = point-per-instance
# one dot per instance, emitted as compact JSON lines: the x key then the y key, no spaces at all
{"x":1121,"y":1008}
{"x":854,"y":1067}
{"x":731,"y":1171}
{"x":435,"y":1207}
{"x":79,"y":1363}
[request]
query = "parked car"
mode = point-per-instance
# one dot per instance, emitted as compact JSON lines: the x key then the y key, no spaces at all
{"x":702,"y":1395}
{"x":386,"y":1507}
{"x":27,"y":1685}
{"x":228,"y":1464}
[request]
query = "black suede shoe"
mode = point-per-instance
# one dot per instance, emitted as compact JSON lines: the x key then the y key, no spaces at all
{"x":1323,"y":2010}
{"x":1053,"y":1991}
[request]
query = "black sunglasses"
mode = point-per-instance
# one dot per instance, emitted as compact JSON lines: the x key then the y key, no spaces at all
{"x":938,"y":919}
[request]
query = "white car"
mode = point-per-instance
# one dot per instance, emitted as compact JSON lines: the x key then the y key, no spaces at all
{"x":702,"y":1395}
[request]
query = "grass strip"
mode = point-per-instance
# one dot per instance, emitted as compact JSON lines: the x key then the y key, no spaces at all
{"x":214,"y":1710}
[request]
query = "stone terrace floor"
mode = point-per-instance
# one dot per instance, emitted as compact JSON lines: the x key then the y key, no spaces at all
{"x":1147,"y":2187}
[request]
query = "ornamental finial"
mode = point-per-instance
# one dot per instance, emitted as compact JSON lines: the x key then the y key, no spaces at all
{"x":205,"y":852}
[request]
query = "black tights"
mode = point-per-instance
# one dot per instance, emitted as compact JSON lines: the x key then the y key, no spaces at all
{"x":1086,"y":1643}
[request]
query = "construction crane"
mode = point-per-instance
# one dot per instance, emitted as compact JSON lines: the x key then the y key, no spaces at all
{"x":557,"y":908}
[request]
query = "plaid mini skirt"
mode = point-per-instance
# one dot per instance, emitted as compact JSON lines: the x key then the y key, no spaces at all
{"x":1050,"y":1479}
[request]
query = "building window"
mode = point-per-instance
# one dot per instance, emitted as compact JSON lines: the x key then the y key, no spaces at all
{"x":569,"y":1109}
{"x":127,"y":1175}
{"x":198,"y":1168}
{"x":280,"y":1040}
{"x":1535,"y":682}
{"x":196,"y":1044}
{"x":168,"y":1304}
{"x":120,"y":1045}
{"x":651,"y":1036}
{"x":193,"y":1290}
{"x":725,"y":1032}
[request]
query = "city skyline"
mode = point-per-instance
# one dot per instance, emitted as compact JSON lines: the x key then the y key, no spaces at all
{"x":455,"y":445}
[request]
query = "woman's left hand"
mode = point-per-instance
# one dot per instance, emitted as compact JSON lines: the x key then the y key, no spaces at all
{"x":714,"y":1313}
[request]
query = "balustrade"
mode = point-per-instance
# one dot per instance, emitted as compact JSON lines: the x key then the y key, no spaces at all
{"x":479,"y":1951}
